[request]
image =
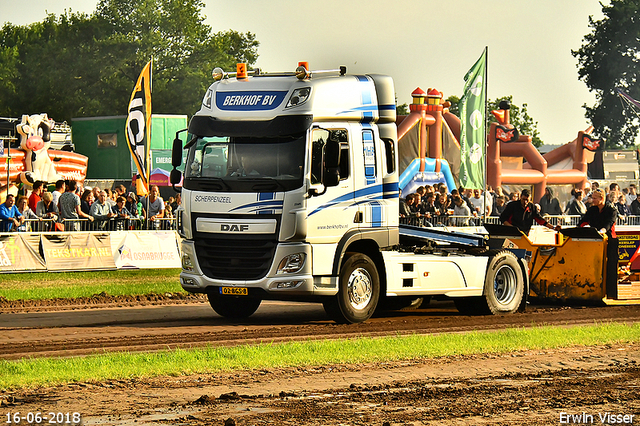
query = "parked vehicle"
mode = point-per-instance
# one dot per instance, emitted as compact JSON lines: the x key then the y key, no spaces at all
{"x":290,"y":192}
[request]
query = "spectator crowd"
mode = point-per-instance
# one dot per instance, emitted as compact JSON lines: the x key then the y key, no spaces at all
{"x":436,"y":206}
{"x":72,"y":207}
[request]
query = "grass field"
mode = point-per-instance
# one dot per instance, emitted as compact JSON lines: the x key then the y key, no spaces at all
{"x":51,"y":371}
{"x":48,"y":285}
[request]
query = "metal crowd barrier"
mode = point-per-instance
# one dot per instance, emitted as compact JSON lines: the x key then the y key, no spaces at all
{"x":172,"y":223}
{"x":565,"y":221}
{"x":628,"y":220}
{"x":114,"y":224}
{"x":443,"y":220}
{"x":36,"y":225}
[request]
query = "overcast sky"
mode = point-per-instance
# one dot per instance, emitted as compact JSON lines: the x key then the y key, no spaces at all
{"x":420,"y":43}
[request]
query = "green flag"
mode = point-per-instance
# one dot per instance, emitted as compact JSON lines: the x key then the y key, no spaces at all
{"x":472,"y":125}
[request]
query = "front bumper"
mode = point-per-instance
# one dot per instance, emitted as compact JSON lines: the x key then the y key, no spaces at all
{"x":275,"y":285}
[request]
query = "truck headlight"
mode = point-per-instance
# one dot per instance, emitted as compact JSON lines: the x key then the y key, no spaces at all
{"x":299,"y":96}
{"x":181,"y":216}
{"x":292,"y":263}
{"x":187,"y":263}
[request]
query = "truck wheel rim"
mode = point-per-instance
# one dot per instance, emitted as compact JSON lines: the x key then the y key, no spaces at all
{"x":505,"y":284}
{"x":359,"y":288}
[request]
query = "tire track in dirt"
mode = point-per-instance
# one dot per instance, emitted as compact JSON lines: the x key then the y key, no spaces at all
{"x":147,"y":333}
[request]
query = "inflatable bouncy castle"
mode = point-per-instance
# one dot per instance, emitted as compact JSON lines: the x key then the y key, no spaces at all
{"x":564,"y":165}
{"x":34,"y":160}
{"x":429,"y":151}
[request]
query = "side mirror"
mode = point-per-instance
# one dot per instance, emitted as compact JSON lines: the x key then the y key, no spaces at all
{"x":332,"y":154}
{"x":176,"y":160}
{"x":176,"y":151}
{"x":175,"y":176}
{"x":331,"y":177}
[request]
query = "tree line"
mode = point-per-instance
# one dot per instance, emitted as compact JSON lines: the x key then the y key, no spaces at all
{"x":77,"y":64}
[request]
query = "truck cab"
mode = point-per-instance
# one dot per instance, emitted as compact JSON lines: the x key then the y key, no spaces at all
{"x":290,"y":192}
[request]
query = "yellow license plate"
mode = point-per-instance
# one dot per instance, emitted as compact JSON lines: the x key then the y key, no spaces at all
{"x":234,"y":291}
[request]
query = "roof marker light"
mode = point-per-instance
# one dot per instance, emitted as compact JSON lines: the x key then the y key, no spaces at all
{"x":218,"y":74}
{"x":302,"y":73}
{"x":241,"y":70}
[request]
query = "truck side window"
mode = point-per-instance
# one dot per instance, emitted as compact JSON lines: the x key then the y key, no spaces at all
{"x":369,"y":154}
{"x":390,"y":155}
{"x":319,"y":138}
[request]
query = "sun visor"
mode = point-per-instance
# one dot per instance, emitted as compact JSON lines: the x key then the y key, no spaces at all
{"x":283,"y":125}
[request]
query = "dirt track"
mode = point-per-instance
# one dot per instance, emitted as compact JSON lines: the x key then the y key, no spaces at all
{"x":528,"y":388}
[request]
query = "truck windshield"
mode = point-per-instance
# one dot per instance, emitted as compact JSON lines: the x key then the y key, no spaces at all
{"x":245,"y":164}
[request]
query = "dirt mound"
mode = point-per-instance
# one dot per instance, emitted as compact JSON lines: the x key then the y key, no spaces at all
{"x":99,"y":300}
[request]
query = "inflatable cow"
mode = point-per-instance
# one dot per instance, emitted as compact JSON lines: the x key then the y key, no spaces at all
{"x":35,"y":139}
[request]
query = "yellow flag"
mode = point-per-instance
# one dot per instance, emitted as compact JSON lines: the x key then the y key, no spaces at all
{"x":138,"y":127}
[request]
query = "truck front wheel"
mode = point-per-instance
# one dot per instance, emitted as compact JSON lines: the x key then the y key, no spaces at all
{"x":358,"y":291}
{"x":233,"y":307}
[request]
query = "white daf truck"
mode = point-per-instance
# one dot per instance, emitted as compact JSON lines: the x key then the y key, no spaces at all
{"x":290,"y":192}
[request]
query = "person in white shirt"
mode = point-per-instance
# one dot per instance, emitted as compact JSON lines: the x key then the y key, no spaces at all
{"x":631,"y":195}
{"x":461,"y":212}
{"x":60,"y":188}
{"x":481,"y":202}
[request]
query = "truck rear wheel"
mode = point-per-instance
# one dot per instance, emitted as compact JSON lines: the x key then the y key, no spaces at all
{"x":358,"y":291}
{"x":504,"y":283}
{"x":503,"y":287}
{"x":233,"y":307}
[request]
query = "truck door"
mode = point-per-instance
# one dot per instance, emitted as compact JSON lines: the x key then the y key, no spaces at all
{"x":331,"y":214}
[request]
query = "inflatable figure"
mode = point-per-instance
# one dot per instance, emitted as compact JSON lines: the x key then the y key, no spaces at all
{"x":34,"y":161}
{"x":35,"y":140}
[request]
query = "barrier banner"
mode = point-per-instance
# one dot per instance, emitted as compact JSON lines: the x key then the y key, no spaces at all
{"x":147,"y":250}
{"x":628,"y":243}
{"x":20,"y":252}
{"x":77,"y":251}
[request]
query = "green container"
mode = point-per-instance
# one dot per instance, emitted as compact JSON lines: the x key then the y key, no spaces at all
{"x":103,"y":140}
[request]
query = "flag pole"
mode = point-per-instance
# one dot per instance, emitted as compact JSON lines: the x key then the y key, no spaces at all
{"x":148,"y":153}
{"x":486,"y":127}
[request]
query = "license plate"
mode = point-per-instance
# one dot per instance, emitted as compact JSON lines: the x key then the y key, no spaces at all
{"x":234,"y":291}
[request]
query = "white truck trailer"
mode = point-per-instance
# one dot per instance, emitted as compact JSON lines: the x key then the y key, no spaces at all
{"x":290,"y":192}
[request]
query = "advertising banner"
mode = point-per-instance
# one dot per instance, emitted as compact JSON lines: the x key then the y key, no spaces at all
{"x":77,"y":251}
{"x":19,"y":252}
{"x":628,"y":243}
{"x":147,"y":250}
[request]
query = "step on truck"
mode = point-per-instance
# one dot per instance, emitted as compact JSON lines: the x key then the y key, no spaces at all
{"x":290,"y":192}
